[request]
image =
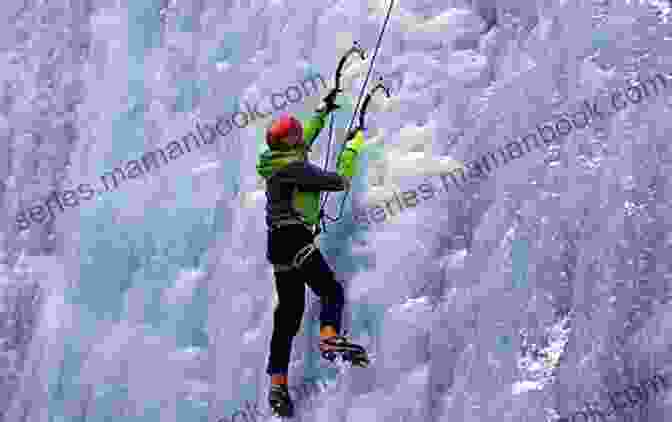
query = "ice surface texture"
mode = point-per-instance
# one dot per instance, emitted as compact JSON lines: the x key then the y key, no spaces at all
{"x":521,"y":298}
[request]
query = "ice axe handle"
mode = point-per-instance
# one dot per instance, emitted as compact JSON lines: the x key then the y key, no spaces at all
{"x":356,"y":48}
{"x":367,"y":100}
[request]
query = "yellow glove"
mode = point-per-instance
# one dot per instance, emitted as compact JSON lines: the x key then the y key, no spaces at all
{"x":347,"y":160}
{"x":356,"y":142}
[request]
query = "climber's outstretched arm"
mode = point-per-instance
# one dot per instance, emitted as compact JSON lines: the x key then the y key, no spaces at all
{"x":313,"y":126}
{"x":347,"y":160}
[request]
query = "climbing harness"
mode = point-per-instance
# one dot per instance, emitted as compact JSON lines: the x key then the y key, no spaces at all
{"x":354,"y":113}
{"x":299,"y":258}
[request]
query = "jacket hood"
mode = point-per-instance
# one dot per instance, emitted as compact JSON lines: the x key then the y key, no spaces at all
{"x":271,"y":161}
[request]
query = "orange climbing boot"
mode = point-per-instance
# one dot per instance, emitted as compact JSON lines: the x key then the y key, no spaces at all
{"x":331,"y":344}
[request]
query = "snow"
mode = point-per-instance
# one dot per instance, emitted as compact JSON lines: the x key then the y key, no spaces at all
{"x":531,"y":293}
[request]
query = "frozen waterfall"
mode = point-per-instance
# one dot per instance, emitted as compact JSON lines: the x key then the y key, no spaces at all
{"x":536,"y":290}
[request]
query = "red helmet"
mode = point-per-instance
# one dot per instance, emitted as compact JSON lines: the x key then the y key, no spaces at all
{"x":285,"y":131}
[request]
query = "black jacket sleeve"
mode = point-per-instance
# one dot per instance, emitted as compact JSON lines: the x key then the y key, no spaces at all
{"x":310,"y":178}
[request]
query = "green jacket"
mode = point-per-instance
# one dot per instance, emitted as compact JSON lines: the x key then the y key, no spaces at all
{"x":293,"y":184}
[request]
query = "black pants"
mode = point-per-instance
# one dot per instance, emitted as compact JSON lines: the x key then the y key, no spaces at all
{"x":283,"y":243}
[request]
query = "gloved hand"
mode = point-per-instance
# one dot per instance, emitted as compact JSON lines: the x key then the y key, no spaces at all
{"x":329,"y":101}
{"x":350,"y":135}
{"x":355,"y":140}
{"x":347,"y":161}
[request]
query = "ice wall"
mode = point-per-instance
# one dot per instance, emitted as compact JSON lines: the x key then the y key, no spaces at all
{"x":521,"y":297}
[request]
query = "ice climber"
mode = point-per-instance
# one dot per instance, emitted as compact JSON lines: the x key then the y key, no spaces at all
{"x":293,"y":187}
